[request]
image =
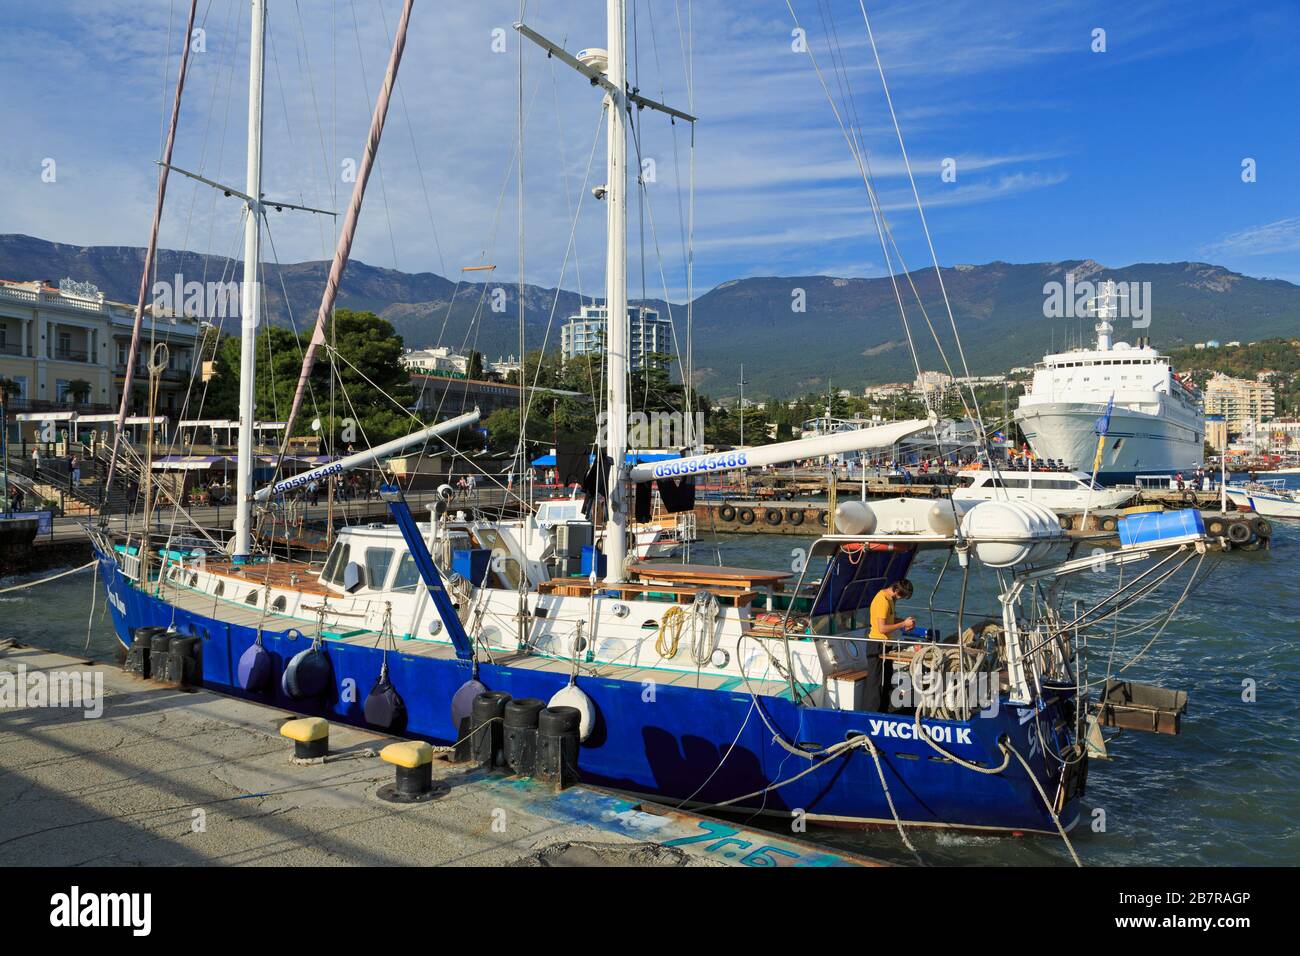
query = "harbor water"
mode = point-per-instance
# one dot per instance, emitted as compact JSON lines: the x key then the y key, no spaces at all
{"x":1226,"y":791}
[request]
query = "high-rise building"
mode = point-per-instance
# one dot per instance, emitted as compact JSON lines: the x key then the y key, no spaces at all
{"x":648,"y":334}
{"x":1243,"y":403}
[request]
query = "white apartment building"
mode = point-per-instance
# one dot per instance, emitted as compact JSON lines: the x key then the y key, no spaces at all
{"x":1243,"y":403}
{"x":584,"y":333}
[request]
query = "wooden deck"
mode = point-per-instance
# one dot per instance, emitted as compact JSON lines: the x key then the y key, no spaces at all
{"x":290,"y":575}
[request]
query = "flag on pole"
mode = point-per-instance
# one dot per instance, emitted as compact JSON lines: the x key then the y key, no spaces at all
{"x":1103,"y":423}
{"x":1102,"y":426}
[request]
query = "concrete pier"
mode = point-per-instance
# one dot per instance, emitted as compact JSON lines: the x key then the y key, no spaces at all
{"x":169,"y":777}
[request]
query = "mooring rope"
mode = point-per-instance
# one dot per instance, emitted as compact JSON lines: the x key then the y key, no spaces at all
{"x":1006,"y":744}
{"x":52,"y":577}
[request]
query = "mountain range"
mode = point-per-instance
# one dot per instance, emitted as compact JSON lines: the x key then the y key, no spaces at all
{"x":847,"y":334}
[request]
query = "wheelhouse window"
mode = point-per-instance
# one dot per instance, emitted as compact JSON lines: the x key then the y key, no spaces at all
{"x":407,"y":577}
{"x":335,"y":563}
{"x":378,"y":561}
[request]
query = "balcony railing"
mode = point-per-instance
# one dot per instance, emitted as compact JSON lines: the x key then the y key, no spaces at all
{"x":16,"y":349}
{"x":71,"y":355}
{"x":16,"y":405}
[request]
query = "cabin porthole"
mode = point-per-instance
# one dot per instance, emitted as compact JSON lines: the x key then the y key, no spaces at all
{"x":252,"y":597}
{"x":279,"y":604}
{"x":220,"y":589}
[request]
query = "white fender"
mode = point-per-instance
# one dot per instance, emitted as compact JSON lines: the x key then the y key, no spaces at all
{"x":572,"y":696}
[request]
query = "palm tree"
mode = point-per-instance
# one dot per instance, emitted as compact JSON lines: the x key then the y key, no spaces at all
{"x":78,"y":391}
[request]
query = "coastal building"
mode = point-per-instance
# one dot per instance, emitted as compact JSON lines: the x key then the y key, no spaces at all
{"x":888,"y":390}
{"x":1284,"y":436}
{"x":932,"y":381}
{"x":1216,"y":433}
{"x":648,"y":334}
{"x":436,"y":361}
{"x":63,"y":350}
{"x":1242,"y":402}
{"x":503,"y":368}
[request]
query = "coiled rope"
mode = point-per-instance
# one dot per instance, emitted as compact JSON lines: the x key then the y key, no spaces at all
{"x":670,"y":632}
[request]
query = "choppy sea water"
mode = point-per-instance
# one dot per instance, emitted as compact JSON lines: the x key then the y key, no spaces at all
{"x":1226,"y":791}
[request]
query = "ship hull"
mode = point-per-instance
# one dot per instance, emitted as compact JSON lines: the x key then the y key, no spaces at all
{"x":1137,"y":443}
{"x":679,"y":743}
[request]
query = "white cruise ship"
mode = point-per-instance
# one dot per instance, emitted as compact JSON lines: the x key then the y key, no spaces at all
{"x":1157,"y":426}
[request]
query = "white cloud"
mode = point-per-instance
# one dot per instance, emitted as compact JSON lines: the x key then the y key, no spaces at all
{"x":1280,"y":236}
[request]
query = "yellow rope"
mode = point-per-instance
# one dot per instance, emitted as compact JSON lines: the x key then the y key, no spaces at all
{"x":670,"y":632}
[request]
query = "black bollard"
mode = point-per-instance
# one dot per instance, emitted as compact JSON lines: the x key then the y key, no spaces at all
{"x":159,"y":662}
{"x":137,"y":658}
{"x":557,"y":745}
{"x":485,"y":719}
{"x":520,"y":731}
{"x":183,"y":663}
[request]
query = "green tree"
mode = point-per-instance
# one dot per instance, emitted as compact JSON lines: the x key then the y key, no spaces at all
{"x":370,"y":385}
{"x":78,"y":391}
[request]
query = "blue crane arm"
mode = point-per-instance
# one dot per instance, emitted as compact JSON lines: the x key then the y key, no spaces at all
{"x":428,"y":570}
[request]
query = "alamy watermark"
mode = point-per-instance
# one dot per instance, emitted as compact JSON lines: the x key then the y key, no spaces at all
{"x":1070,"y":300}
{"x":195,"y":299}
{"x":82,"y":690}
{"x":655,"y":429}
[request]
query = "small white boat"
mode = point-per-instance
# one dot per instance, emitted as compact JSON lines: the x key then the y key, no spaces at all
{"x":1062,"y":491}
{"x":1269,"y":497}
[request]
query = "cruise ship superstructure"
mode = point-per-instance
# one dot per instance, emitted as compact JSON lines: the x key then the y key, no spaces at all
{"x":1157,"y":426}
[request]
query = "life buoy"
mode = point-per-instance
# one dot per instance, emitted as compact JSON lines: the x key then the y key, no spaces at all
{"x":727,"y":513}
{"x":795,"y":517}
{"x":772,"y":516}
{"x":1239,"y":532}
{"x":745,"y":515}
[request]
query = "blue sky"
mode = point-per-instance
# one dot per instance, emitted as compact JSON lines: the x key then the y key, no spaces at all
{"x":1129,"y":155}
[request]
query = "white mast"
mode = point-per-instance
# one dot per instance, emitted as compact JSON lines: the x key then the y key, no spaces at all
{"x":1105,"y":308}
{"x":251,"y":301}
{"x":616,"y":290}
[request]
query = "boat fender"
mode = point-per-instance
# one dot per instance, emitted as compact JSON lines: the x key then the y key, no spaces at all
{"x":1215,"y":527}
{"x":254,"y":670}
{"x":727,"y":513}
{"x":1262,"y":528}
{"x":772,"y":516}
{"x":1109,"y":524}
{"x":462,"y":702}
{"x":821,"y":519}
{"x":1239,"y":532}
{"x":746,"y":515}
{"x":572,"y":696}
{"x":384,"y":707}
{"x":307,"y":674}
{"x":795,"y":516}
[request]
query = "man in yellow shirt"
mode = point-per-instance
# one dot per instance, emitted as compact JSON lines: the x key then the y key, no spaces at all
{"x":883,"y":623}
{"x":884,"y":627}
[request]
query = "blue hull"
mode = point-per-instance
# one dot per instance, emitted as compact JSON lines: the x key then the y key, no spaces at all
{"x":671,"y":747}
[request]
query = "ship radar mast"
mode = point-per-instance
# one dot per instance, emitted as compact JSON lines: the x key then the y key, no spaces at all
{"x":1103,"y":305}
